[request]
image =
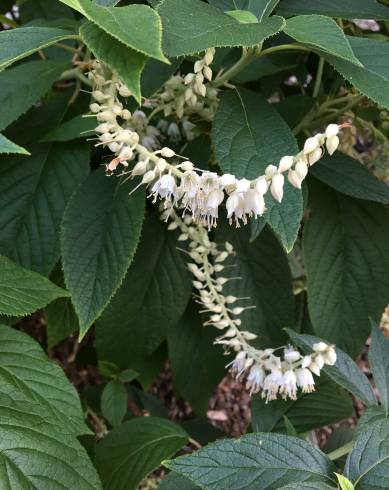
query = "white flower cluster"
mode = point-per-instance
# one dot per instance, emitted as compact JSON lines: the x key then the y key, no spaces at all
{"x":265,"y":372}
{"x":189,"y":94}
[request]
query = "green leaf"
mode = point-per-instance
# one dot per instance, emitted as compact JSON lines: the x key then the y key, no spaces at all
{"x":135,"y":449}
{"x":33,"y":194}
{"x":40,"y":417}
{"x":327,"y":405}
{"x":307,"y":486}
{"x":78,"y":127}
{"x":23,"y":41}
{"x":347,"y":261}
{"x":265,"y":278}
{"x":155,"y":74}
{"x":346,"y":175}
{"x":344,"y":483}
{"x":265,"y":461}
{"x":242,"y":16}
{"x":136,"y":26}
{"x":6,"y":146}
{"x":174,"y":481}
{"x":61,"y":319}
{"x":323,"y":33}
{"x":126,"y":62}
{"x":212,"y":28}
{"x":127,"y":375}
{"x":114,"y":401}
{"x":260,"y":8}
{"x":249,"y":134}
{"x":24,"y":291}
{"x":268,"y":65}
{"x":293,"y":108}
{"x":370,"y":417}
{"x":151,"y":300}
{"x":28,"y":376}
{"x":345,"y":372}
{"x":24,"y":84}
{"x":98,"y":244}
{"x":198,"y":365}
{"x":372,"y":79}
{"x":379,"y":363}
{"x":367,"y":465}
{"x":347,"y":9}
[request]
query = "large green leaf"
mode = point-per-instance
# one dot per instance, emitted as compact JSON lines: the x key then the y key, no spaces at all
{"x":100,"y":231}
{"x":265,"y":461}
{"x":348,"y":9}
{"x":323,"y":33}
{"x":23,"y":41}
{"x":347,"y":260}
{"x":249,"y":134}
{"x":28,"y":376}
{"x":212,"y":27}
{"x":40,"y":416}
{"x":7,"y":146}
{"x":346,"y":175}
{"x":23,"y":291}
{"x":136,"y":448}
{"x":367,"y":465}
{"x":136,"y":26}
{"x":260,"y":8}
{"x":127,"y":62}
{"x":345,"y":372}
{"x":22,"y":85}
{"x":379,"y":364}
{"x":198,"y":365}
{"x":372,"y":79}
{"x":327,"y":405}
{"x":308,"y":486}
{"x":264,"y":277}
{"x":151,"y":300}
{"x":33,"y":194}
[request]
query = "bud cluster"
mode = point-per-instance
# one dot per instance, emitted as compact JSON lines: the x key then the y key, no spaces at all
{"x":189,"y":94}
{"x":265,"y":372}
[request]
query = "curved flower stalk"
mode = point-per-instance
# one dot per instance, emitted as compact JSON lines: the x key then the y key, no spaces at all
{"x":265,"y":372}
{"x":175,"y":180}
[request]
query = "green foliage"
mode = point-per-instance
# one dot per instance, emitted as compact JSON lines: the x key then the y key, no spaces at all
{"x":144,"y":308}
{"x":22,"y":42}
{"x":18,"y":93}
{"x":6,"y":146}
{"x":33,"y":195}
{"x":136,"y":448}
{"x":212,"y":28}
{"x":114,"y":401}
{"x":260,"y":8}
{"x":251,"y":460}
{"x":75,"y":128}
{"x":379,"y":363}
{"x":98,"y":246}
{"x":23,"y":291}
{"x":136,"y":26}
{"x":346,"y":259}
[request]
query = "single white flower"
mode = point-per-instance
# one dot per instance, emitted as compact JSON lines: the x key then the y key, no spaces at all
{"x":253,"y":203}
{"x":329,"y":356}
{"x":242,"y":185}
{"x":332,"y":130}
{"x":310,"y":145}
{"x":291,"y":354}
{"x":315,"y":155}
{"x":255,"y":379}
{"x":320,"y":347}
{"x":227,"y":180}
{"x":288,"y":386}
{"x":165,"y":188}
{"x":271,"y":385}
{"x":262,"y":185}
{"x":294,"y":179}
{"x":305,"y":380}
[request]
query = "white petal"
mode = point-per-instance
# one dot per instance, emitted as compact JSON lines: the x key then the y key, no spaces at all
{"x":310,"y":145}
{"x":332,"y":130}
{"x":294,"y":179}
{"x":332,"y":144}
{"x":277,"y":187}
{"x":285,"y":163}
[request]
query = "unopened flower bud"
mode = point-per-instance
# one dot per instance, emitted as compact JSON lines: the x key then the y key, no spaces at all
{"x":294,"y":179}
{"x":207,"y":73}
{"x":315,"y":155}
{"x":167,"y":152}
{"x":139,"y":169}
{"x":332,"y":144}
{"x":148,"y":177}
{"x":301,"y":169}
{"x":277,"y":187}
{"x":124,"y":91}
{"x":94,"y":107}
{"x":332,"y":130}
{"x":310,"y":145}
{"x":285,"y":163}
{"x":125,"y":114}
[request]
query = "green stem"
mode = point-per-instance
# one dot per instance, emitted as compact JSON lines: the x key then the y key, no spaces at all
{"x":319,"y":76}
{"x":75,"y":73}
{"x":247,"y":57}
{"x":341,"y":451}
{"x":284,"y":47}
{"x":7,"y":21}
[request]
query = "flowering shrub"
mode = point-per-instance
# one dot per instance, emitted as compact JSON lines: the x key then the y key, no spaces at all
{"x":195,"y":186}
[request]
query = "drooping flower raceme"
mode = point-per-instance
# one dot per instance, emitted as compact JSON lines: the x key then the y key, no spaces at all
{"x":173,"y":179}
{"x":265,"y":372}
